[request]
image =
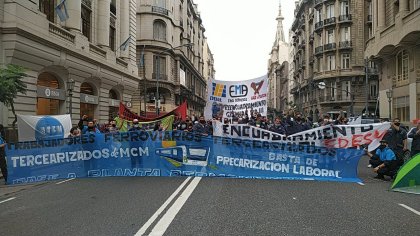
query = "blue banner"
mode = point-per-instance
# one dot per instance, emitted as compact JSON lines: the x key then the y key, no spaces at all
{"x":176,"y":153}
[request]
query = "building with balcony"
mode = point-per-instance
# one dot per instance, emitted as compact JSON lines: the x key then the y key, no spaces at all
{"x":277,"y":68}
{"x":333,"y":53}
{"x":84,"y":48}
{"x":177,"y":70}
{"x":392,"y":43}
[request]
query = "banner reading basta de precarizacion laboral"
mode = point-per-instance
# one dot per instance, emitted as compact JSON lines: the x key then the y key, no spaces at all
{"x":236,"y":98}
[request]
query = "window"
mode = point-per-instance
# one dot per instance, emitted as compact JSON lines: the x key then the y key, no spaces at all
{"x":345,"y":8}
{"x":47,"y":7}
{"x":402,"y":108}
{"x":331,"y":62}
{"x":113,"y":7}
{"x":373,"y":90}
{"x":402,"y":67}
{"x":159,"y":30}
{"x":319,"y":65}
{"x":330,"y":36}
{"x":346,"y":87}
{"x":318,"y":16}
{"x":332,"y":90}
{"x":159,"y":65}
{"x":86,"y":21}
{"x":330,"y":11}
{"x":345,"y":61}
{"x":47,"y":106}
{"x":345,"y":34}
{"x":112,"y":38}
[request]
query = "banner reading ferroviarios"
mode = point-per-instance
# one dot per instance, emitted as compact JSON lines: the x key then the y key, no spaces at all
{"x":235,"y":98}
{"x":176,"y":153}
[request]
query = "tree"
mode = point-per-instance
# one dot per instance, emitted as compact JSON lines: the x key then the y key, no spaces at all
{"x":10,"y":85}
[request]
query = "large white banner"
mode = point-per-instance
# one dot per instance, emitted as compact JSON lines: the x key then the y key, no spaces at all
{"x":331,"y":136}
{"x":32,"y":128}
{"x":236,"y":98}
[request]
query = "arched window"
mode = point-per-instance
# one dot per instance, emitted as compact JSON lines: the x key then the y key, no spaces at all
{"x":113,"y":94}
{"x":159,"y":30}
{"x":46,"y":105}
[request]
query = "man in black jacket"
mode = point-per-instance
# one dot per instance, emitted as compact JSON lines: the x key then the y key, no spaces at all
{"x":415,"y":135}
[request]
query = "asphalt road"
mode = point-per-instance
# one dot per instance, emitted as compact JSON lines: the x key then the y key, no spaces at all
{"x":208,"y":206}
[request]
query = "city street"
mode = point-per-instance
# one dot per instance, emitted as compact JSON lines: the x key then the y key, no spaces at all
{"x":208,"y":206}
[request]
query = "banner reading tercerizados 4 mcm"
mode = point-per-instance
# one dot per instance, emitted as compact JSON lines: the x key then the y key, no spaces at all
{"x":177,"y":153}
{"x":235,"y":98}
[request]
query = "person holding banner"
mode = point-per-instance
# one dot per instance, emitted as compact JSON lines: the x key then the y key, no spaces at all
{"x":397,"y":139}
{"x":201,"y":127}
{"x":383,"y":161}
{"x":3,"y":163}
{"x":90,"y":128}
{"x":278,"y":127}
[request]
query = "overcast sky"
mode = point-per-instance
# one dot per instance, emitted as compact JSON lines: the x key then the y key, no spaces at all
{"x":241,"y":34}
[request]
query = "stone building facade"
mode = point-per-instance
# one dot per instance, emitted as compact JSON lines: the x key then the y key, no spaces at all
{"x":165,"y":29}
{"x":392,"y":43}
{"x":329,"y":42}
{"x":85,"y":48}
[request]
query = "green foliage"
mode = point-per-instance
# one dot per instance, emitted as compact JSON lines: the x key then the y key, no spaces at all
{"x":11,"y":83}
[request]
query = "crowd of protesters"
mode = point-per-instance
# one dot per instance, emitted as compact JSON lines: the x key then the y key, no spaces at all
{"x":385,"y":160}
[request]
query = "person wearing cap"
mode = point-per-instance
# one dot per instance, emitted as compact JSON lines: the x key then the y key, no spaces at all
{"x":383,"y":161}
{"x":136,"y":126}
{"x":415,"y":135}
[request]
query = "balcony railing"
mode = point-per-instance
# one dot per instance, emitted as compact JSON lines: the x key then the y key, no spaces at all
{"x":161,"y":76}
{"x":345,"y":45}
{"x":319,"y":50}
{"x":319,"y":25}
{"x":330,"y":47}
{"x":329,"y":21}
{"x":160,"y":10}
{"x":302,"y":23}
{"x":61,"y":33}
{"x":344,"y":18}
{"x":318,"y":2}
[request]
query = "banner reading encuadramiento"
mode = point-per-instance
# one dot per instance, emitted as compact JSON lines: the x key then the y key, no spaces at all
{"x":236,"y":98}
{"x":176,"y":153}
{"x":32,"y":128}
{"x":332,"y":136}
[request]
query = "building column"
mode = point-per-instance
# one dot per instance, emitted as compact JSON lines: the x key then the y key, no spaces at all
{"x":381,"y":14}
{"x":125,"y":26}
{"x":74,"y":9}
{"x":404,"y":7}
{"x":103,"y":23}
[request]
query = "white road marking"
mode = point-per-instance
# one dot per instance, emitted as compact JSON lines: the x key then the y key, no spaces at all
{"x":9,"y":199}
{"x":161,"y":209}
{"x":67,"y":180}
{"x":167,"y":219}
{"x":410,"y":209}
{"x":360,"y":183}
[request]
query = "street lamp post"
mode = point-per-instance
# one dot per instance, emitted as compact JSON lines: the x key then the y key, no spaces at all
{"x":389,"y":96}
{"x":70,"y":88}
{"x":157,"y":99}
{"x":322,"y":86}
